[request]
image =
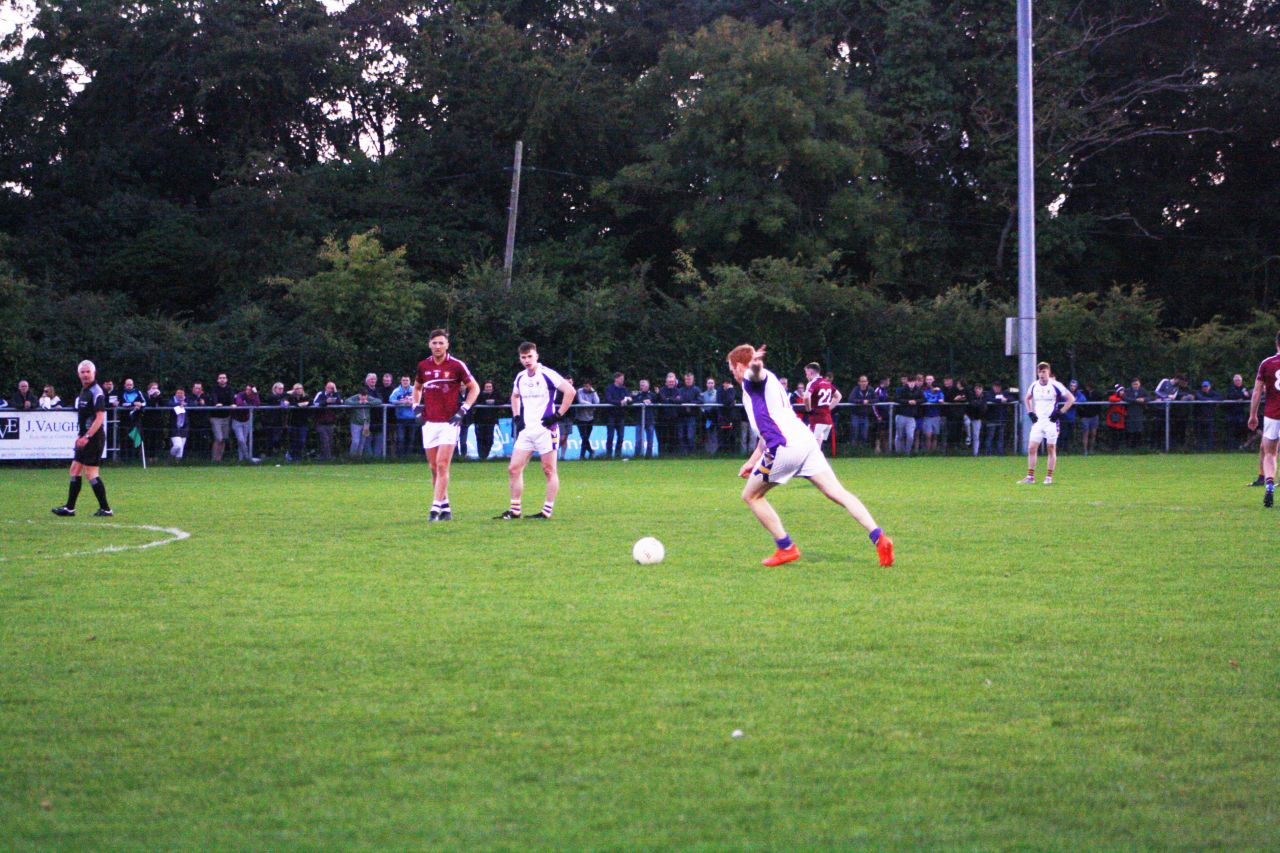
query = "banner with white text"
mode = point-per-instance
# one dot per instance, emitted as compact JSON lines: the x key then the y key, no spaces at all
{"x":38,"y":435}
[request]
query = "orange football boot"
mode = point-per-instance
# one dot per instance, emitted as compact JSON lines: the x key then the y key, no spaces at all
{"x":782,"y":555}
{"x":885,"y":549}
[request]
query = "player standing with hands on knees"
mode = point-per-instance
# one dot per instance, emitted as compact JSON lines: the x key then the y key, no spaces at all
{"x":1043,"y":399}
{"x":91,"y":409}
{"x":787,"y":449}
{"x":1268,"y":382}
{"x":440,"y":379}
{"x":535,"y":415}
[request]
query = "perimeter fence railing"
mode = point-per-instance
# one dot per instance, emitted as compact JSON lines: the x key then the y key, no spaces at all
{"x":388,"y":432}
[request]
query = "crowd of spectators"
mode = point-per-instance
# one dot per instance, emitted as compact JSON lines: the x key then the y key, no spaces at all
{"x":918,"y":414}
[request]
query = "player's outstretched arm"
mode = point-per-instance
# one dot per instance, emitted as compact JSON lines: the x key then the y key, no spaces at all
{"x":755,"y":370}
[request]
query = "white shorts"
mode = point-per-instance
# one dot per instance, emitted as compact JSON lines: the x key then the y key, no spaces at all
{"x":538,"y":440}
{"x":821,"y":432}
{"x":788,"y":462}
{"x":1271,"y":429}
{"x":438,"y":435}
{"x":1043,"y":430}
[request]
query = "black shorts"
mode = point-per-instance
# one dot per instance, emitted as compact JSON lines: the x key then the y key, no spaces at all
{"x":91,"y":454}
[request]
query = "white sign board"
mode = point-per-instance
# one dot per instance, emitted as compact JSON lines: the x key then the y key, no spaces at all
{"x":38,"y":435}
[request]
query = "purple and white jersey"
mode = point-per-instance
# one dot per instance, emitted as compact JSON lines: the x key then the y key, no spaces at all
{"x":1046,"y":397}
{"x":772,"y":416}
{"x":537,"y":394}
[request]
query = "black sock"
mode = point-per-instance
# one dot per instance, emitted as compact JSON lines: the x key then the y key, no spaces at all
{"x":99,"y":491}
{"x":73,"y":492}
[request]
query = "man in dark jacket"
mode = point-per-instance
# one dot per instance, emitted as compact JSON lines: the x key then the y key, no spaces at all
{"x":908,"y":398}
{"x":667,"y":415}
{"x":687,"y":423}
{"x":862,"y":397}
{"x":1207,"y":416}
{"x":646,"y":425}
{"x":326,"y":417}
{"x":485,"y":417}
{"x":26,"y":400}
{"x":197,"y":421}
{"x":222,"y":397}
{"x":616,"y":395}
{"x":999,"y":409}
{"x":1136,"y":417}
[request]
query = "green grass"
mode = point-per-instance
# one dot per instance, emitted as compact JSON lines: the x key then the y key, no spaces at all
{"x":1088,"y":666}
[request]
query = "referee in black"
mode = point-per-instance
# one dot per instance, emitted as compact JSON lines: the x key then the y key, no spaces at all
{"x":91,"y":407}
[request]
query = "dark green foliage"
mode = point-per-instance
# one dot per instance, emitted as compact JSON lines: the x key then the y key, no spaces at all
{"x":286,"y":191}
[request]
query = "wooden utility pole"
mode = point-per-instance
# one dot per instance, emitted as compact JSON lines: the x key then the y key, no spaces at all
{"x":509,"y":258}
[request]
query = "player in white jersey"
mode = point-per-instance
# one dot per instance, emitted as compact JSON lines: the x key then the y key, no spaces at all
{"x":1043,"y":400}
{"x":787,"y":449}
{"x":536,"y":417}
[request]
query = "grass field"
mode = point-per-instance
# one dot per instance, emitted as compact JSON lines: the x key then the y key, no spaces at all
{"x":1092,"y":665}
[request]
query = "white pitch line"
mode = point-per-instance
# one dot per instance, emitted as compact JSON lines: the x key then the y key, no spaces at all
{"x":175,"y":535}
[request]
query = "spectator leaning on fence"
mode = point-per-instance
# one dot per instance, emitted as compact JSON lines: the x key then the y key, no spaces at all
{"x":904,"y":416}
{"x":485,"y":417}
{"x":197,"y":421}
{"x":221,"y":397}
{"x":993,"y":425}
{"x":647,"y":425}
{"x":1238,"y":411}
{"x":242,"y":423}
{"x":1207,"y":405}
{"x":617,"y":396}
{"x":299,"y":423}
{"x":25,"y":400}
{"x":50,"y":399}
{"x":1090,"y":417}
{"x":584,"y":416}
{"x":180,"y":426}
{"x":975,"y":411}
{"x":326,"y":417}
{"x":361,"y":402}
{"x":1136,"y":417}
{"x":933,"y":398}
{"x":406,"y":420}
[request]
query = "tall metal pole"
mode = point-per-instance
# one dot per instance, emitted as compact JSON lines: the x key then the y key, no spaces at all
{"x":1026,"y":208}
{"x":509,"y":258}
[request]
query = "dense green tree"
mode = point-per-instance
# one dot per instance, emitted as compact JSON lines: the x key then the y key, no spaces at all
{"x":767,"y":154}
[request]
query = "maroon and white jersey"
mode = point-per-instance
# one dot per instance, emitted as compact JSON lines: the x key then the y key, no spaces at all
{"x":821,"y":395}
{"x":1269,"y":376}
{"x":442,"y":385}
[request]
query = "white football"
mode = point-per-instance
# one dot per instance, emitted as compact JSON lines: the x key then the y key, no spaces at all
{"x":648,"y":551}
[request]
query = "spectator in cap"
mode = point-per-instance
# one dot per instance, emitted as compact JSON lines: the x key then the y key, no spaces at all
{"x":1208,"y":401}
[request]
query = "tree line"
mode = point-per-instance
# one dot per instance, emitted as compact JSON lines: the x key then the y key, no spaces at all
{"x":301,"y":189}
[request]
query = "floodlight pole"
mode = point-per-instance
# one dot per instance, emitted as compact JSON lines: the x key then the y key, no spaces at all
{"x":1026,"y":208}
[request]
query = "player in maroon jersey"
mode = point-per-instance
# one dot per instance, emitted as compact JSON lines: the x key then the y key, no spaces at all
{"x":439,"y":381}
{"x":819,"y":397}
{"x":1268,"y":383}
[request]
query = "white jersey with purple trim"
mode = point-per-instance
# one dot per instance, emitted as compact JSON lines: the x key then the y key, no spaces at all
{"x":1045,"y":397}
{"x":771,"y":415}
{"x":537,"y":394}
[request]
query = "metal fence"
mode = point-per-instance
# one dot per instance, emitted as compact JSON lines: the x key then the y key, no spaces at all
{"x":598,"y":431}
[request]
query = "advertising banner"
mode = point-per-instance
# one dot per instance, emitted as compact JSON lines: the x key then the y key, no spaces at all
{"x":38,"y":435}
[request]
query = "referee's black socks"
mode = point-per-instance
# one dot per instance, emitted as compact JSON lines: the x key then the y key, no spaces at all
{"x":99,"y":491}
{"x":73,"y":492}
